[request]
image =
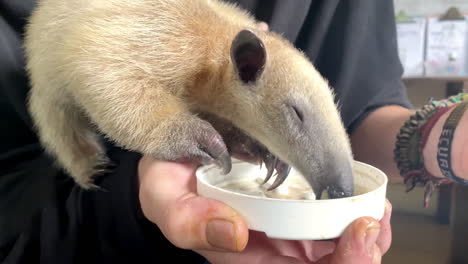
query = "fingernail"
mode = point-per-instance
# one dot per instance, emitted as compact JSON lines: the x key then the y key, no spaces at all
{"x":372,"y":232}
{"x":388,"y":207}
{"x":221,"y":234}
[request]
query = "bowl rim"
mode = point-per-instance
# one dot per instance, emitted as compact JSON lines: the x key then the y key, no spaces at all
{"x":203,"y":169}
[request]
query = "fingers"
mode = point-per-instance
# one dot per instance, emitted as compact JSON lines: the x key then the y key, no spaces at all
{"x":358,"y":245}
{"x":385,"y":238}
{"x":263,"y":26}
{"x":235,"y":258}
{"x":260,"y":250}
{"x":168,"y":199}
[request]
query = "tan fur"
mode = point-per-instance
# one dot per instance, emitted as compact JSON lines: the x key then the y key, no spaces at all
{"x":139,"y":70}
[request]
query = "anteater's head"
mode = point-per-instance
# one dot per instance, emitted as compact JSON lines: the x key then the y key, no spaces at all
{"x":283,"y":112}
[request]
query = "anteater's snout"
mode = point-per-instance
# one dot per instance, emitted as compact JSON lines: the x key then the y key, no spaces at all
{"x":337,"y":180}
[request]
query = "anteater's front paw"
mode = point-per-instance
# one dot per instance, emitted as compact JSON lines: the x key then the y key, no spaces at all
{"x":197,"y":140}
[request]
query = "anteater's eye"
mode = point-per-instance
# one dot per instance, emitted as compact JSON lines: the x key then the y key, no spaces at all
{"x":296,"y":113}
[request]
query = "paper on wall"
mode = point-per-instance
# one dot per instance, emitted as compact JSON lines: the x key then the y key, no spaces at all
{"x":447,"y":47}
{"x":411,"y":40}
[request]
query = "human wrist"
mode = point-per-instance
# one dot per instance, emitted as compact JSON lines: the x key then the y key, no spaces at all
{"x":420,"y":144}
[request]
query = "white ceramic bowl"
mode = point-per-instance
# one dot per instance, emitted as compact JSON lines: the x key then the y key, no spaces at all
{"x":297,"y":219}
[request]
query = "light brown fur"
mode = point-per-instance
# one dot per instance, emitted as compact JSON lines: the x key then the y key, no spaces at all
{"x":139,"y":71}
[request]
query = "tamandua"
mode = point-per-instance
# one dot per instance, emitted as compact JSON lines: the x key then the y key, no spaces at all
{"x":179,"y":80}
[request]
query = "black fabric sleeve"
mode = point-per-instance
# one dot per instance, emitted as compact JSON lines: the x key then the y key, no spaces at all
{"x":353,"y":44}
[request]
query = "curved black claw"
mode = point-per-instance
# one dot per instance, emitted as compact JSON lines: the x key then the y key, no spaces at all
{"x":282,"y":172}
{"x":224,"y":162}
{"x":270,"y":163}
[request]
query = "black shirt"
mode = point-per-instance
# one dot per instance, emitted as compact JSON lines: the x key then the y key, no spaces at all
{"x":45,"y":218}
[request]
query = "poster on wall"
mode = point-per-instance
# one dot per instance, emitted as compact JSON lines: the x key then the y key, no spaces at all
{"x":447,"y":47}
{"x":411,"y":40}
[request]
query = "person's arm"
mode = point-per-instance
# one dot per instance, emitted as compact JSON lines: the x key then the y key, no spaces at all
{"x":373,"y":141}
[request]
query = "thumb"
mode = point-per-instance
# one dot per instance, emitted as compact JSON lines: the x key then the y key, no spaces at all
{"x":168,"y":199}
{"x":357,"y":245}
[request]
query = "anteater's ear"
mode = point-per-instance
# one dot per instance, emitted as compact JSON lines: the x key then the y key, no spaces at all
{"x":248,"y":55}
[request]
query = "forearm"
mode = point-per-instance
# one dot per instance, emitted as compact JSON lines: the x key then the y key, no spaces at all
{"x":373,"y":141}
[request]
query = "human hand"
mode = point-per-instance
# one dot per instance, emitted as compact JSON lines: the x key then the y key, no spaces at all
{"x":168,"y":198}
{"x":354,"y":246}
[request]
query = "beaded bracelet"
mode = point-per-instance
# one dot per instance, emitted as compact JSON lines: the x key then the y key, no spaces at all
{"x":413,"y":137}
